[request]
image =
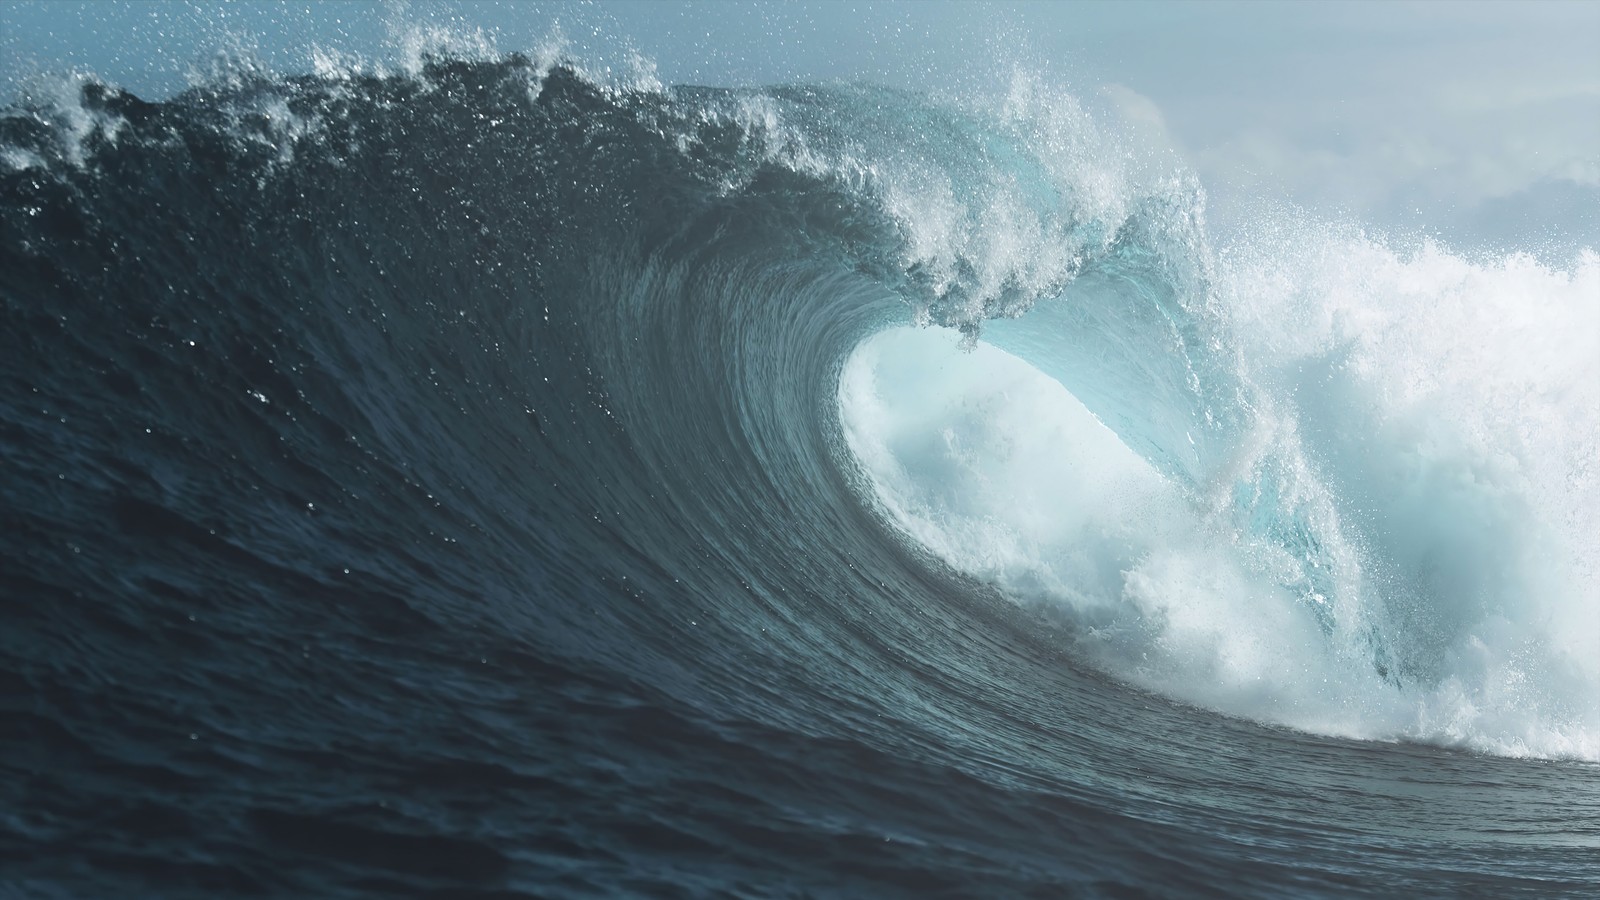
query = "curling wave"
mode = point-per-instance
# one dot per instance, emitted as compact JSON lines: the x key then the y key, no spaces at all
{"x":683,"y":440}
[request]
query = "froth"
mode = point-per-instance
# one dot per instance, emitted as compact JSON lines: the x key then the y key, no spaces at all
{"x":1322,"y":621}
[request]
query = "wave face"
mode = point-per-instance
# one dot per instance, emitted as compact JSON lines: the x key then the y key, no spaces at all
{"x":481,"y":481}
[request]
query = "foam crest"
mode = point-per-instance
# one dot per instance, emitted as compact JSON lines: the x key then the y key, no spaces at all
{"x":65,"y":105}
{"x":1451,"y":408}
{"x":413,"y":44}
{"x":1003,"y":474}
{"x":1419,"y":586}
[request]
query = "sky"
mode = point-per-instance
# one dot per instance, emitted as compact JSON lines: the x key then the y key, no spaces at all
{"x":1479,"y":122}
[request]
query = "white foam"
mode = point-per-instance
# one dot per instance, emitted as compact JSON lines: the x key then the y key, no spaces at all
{"x":59,"y":101}
{"x":999,"y":471}
{"x":1452,"y":409}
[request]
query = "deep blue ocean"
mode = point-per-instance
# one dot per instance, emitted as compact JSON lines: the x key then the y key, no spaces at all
{"x":486,"y":479}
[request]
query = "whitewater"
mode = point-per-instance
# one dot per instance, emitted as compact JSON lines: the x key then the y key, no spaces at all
{"x":494,"y":474}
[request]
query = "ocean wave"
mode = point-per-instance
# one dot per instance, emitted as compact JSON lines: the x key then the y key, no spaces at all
{"x":743,"y":418}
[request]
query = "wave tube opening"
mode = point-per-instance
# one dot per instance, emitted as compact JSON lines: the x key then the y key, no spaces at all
{"x":1001,"y":473}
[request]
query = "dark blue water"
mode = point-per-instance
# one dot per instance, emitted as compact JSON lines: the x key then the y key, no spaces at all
{"x":434,"y":485}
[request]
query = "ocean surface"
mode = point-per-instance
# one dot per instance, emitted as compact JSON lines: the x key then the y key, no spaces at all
{"x":489,"y":479}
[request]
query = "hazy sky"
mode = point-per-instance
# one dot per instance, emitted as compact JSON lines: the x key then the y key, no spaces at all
{"x":1480,"y":120}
